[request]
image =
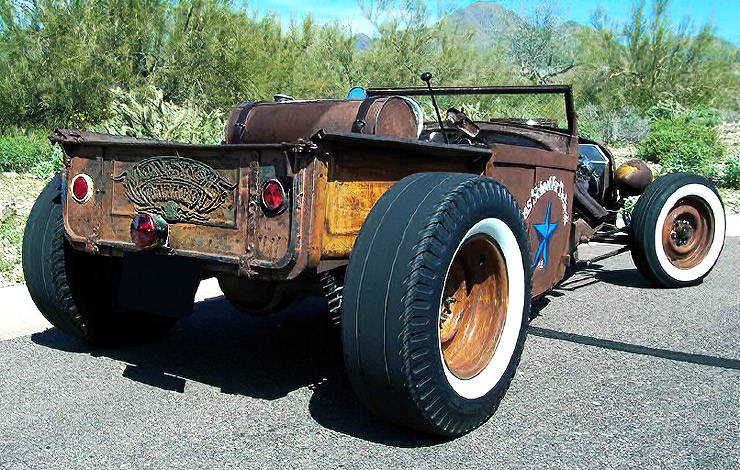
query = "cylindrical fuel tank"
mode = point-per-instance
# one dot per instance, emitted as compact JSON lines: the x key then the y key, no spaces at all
{"x":288,"y":121}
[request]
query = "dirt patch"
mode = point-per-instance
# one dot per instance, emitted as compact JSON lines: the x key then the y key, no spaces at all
{"x":17,"y":195}
{"x":731,"y":198}
{"x":729,"y":134}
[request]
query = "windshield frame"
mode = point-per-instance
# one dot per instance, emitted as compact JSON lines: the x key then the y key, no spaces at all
{"x":565,"y":90}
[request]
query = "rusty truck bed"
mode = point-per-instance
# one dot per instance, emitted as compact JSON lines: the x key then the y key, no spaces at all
{"x":205,"y":192}
{"x":209,"y":195}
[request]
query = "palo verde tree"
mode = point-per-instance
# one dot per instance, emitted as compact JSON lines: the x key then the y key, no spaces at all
{"x":541,"y":46}
{"x":413,"y":38}
{"x":650,"y":59}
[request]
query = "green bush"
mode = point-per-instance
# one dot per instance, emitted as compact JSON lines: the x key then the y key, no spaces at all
{"x":731,"y":176}
{"x":704,"y":115}
{"x":29,"y":153}
{"x":679,"y":144}
{"x":613,"y":127}
{"x":145,"y":113}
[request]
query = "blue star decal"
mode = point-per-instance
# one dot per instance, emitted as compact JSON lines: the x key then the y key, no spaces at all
{"x":545,"y":232}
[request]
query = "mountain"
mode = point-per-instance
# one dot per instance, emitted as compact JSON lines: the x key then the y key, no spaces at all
{"x":489,"y":21}
{"x":363,"y":42}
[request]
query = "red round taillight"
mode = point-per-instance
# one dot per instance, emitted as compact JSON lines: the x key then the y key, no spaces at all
{"x":273,"y":195}
{"x":82,"y":188}
{"x":148,"y":230}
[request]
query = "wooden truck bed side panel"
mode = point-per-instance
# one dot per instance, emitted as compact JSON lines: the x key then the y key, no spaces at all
{"x":349,"y":202}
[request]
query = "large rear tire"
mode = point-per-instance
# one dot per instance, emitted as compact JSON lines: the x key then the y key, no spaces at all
{"x":76,"y":292}
{"x":436,"y":302}
{"x":678,"y":230}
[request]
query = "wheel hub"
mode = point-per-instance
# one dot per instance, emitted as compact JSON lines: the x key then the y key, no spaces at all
{"x":688,"y":231}
{"x":683,"y":232}
{"x":473,"y":308}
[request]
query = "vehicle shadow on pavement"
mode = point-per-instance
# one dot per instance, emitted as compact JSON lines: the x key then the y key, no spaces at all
{"x":580,"y":277}
{"x":540,"y":305}
{"x":624,"y":278}
{"x":259,"y":357}
{"x":701,"y":359}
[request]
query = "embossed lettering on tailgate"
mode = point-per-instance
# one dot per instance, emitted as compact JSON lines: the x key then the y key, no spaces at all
{"x":179,"y":189}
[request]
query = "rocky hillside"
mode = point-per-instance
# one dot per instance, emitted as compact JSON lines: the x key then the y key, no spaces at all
{"x":363,"y":42}
{"x":489,"y":21}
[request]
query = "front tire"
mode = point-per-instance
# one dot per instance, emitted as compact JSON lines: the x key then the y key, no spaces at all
{"x":678,"y":230}
{"x":74,"y":291}
{"x":436,"y":302}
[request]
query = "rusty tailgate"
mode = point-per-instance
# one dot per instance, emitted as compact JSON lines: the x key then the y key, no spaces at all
{"x":207,"y":195}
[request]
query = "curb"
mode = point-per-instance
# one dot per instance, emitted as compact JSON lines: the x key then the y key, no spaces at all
{"x":20,"y":317}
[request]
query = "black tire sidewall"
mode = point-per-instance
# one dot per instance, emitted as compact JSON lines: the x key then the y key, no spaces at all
{"x":75,"y":291}
{"x":44,"y":259}
{"x":421,"y":276}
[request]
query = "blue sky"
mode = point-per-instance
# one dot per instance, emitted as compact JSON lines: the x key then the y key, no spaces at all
{"x":725,"y":14}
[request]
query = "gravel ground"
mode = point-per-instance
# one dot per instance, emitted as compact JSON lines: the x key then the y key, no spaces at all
{"x":17,"y":195}
{"x":615,"y":374}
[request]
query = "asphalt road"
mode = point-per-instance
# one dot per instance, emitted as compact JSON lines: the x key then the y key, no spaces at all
{"x":615,"y":374}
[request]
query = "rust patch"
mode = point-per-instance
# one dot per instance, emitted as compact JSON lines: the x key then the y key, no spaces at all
{"x":347,"y":206}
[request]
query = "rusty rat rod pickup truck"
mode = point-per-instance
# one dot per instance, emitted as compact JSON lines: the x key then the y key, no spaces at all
{"x":428,"y":239}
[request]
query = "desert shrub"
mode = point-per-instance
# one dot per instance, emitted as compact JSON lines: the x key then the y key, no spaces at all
{"x":679,"y":144}
{"x":613,"y":127}
{"x":589,"y":125}
{"x":704,"y":115}
{"x":29,"y":153}
{"x":11,"y":237}
{"x":731,"y":174}
{"x":145,"y":113}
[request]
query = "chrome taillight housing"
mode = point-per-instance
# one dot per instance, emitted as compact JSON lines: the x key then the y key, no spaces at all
{"x":149,"y":230}
{"x":273,"y":196}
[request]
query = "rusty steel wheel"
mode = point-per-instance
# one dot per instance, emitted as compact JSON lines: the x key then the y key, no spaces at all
{"x":473,"y":310}
{"x":436,"y":302}
{"x":477,"y":334}
{"x":678,"y":230}
{"x":688,"y":231}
